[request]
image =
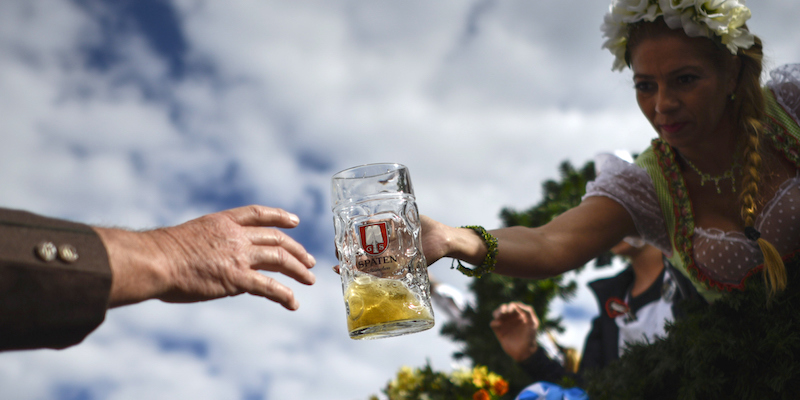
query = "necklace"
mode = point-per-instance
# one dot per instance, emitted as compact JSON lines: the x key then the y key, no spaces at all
{"x":706,"y":177}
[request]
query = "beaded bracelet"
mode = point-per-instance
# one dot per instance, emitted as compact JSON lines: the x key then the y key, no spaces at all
{"x":491,"y":255}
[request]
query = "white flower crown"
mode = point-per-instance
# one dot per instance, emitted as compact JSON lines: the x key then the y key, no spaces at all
{"x":721,"y":18}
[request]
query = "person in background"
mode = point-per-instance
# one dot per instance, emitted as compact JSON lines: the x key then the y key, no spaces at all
{"x":634,"y":306}
{"x":58,"y":278}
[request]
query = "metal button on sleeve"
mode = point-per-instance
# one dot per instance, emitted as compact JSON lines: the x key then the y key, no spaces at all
{"x":68,"y":253}
{"x":46,"y":251}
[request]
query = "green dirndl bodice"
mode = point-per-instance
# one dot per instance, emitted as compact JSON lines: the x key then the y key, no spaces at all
{"x":781,"y":131}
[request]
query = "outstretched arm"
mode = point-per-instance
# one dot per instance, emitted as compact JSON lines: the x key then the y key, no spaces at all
{"x":213,"y":256}
{"x":569,"y":241}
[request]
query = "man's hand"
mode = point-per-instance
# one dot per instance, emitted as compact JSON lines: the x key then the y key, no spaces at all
{"x":214,"y":256}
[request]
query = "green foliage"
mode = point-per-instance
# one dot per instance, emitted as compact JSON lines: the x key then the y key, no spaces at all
{"x":740,"y":347}
{"x":558,"y":197}
{"x":492,"y":290}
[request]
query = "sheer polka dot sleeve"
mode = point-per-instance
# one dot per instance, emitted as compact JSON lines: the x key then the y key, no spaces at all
{"x":785,"y":83}
{"x":631,"y":187}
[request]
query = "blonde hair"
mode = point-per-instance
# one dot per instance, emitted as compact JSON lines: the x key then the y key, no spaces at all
{"x":748,"y":110}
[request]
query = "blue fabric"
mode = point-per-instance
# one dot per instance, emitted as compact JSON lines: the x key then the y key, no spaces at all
{"x":551,"y":391}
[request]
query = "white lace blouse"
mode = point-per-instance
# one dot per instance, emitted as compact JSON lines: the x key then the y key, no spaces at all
{"x":725,"y":257}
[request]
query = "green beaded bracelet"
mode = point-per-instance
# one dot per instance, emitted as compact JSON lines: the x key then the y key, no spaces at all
{"x":491,"y":255}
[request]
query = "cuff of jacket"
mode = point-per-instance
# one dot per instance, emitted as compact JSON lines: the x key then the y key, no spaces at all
{"x":49,"y":302}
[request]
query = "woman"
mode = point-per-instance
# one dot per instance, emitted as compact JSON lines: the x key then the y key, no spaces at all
{"x":714,"y":192}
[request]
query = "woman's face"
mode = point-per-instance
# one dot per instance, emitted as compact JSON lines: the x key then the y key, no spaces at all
{"x":681,"y":91}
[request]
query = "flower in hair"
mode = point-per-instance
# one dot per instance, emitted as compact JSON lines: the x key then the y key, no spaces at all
{"x":721,"y":19}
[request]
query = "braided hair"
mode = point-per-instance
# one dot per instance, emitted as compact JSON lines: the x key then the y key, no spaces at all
{"x":748,"y":112}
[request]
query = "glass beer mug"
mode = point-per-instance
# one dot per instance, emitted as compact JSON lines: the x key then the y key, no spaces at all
{"x":384,"y":273}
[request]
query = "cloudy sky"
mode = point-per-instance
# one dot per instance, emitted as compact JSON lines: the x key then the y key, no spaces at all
{"x":142,"y":113}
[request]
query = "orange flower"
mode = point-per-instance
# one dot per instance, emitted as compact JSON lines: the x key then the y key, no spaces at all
{"x":481,"y":395}
{"x":500,"y":387}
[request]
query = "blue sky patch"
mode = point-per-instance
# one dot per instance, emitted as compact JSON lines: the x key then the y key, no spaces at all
{"x":181,"y":344}
{"x":156,"y":20}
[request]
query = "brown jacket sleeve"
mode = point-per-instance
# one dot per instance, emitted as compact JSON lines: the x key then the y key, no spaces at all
{"x":49,"y":298}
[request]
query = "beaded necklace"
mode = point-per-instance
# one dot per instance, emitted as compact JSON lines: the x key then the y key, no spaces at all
{"x":707,"y":177}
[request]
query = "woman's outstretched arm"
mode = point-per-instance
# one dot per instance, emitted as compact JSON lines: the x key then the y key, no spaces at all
{"x":567,"y":242}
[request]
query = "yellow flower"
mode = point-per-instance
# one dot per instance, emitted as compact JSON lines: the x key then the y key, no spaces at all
{"x":461,"y":376}
{"x":492,"y":378}
{"x":426,"y":384}
{"x":407,"y":380}
{"x":479,"y":376}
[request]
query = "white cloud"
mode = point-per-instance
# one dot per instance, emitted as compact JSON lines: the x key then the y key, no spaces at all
{"x":482,"y":101}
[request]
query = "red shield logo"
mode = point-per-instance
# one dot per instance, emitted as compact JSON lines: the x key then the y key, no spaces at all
{"x":616,"y":307}
{"x":374,"y":238}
